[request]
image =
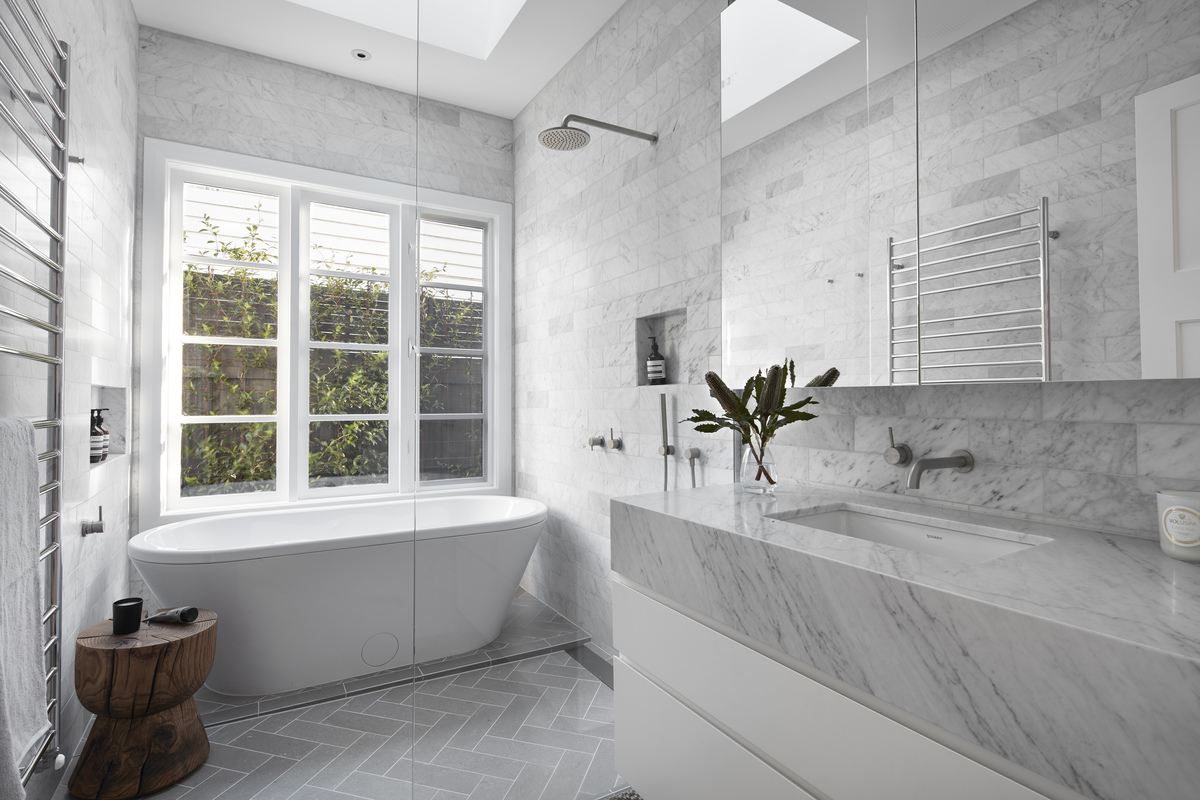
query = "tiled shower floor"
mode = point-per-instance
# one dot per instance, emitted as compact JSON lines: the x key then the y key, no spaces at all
{"x":530,"y":628}
{"x":536,"y":729}
{"x":520,"y":727}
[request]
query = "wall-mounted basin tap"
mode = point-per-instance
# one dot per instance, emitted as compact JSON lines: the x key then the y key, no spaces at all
{"x":596,"y":441}
{"x":959,"y":461}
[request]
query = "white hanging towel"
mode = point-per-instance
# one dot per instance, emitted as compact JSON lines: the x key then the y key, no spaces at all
{"x":22,"y":672}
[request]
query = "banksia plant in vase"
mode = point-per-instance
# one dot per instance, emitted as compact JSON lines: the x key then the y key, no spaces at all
{"x":757,"y":425}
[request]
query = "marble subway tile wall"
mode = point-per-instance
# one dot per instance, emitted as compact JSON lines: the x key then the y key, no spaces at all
{"x":100,"y":222}
{"x":1038,"y":104}
{"x":206,"y":94}
{"x":806,"y":215}
{"x":618,"y":231}
{"x":1089,"y":454}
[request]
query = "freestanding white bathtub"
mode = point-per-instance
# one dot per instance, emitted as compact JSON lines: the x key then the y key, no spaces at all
{"x":314,"y":595}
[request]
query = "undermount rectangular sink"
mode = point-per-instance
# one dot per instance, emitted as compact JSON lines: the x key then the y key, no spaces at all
{"x":970,"y":543}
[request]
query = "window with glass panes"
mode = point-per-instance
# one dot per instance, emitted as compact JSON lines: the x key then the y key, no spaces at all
{"x":286,"y":377}
{"x":453,"y":352}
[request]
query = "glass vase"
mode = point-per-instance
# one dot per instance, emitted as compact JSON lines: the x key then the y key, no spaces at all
{"x":759,"y":475}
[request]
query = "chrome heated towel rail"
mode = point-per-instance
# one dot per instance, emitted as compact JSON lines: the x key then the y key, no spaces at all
{"x":971,"y":303}
{"x":34,"y":70}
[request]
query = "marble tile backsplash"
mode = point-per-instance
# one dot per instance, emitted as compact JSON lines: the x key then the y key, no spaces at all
{"x":617,"y":231}
{"x":1087,"y":454}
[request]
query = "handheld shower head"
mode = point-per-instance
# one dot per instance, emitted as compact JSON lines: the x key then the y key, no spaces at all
{"x":564,"y":137}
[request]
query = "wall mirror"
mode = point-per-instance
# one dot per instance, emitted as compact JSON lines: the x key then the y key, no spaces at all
{"x":1020,"y":139}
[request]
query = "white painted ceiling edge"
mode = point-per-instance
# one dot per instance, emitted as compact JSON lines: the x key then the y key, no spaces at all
{"x":543,"y":37}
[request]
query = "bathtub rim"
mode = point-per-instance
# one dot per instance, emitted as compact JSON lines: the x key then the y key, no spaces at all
{"x":142,"y":547}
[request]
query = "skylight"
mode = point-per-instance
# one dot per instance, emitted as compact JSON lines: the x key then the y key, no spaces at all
{"x":470,"y":27}
{"x":766,"y":45}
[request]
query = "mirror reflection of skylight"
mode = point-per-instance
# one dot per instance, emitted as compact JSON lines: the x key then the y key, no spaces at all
{"x":767,"y":44}
{"x":470,"y":27}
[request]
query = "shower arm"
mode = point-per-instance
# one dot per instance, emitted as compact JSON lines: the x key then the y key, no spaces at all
{"x":595,"y":123}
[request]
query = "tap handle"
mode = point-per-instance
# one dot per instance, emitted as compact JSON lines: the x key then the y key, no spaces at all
{"x":898,"y":455}
{"x":613,"y":442}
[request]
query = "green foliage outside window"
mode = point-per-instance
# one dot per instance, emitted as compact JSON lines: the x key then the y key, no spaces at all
{"x":242,"y":302}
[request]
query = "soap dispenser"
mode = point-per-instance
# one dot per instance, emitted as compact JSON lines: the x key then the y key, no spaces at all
{"x":105,"y":437}
{"x":656,"y":365}
{"x":96,"y":439}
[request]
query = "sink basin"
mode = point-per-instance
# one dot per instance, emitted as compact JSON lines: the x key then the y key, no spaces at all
{"x":959,"y":541}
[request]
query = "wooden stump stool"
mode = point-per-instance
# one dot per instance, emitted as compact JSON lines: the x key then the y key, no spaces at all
{"x":148,"y":733}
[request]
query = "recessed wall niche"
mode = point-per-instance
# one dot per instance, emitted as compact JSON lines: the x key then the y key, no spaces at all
{"x":670,"y":329}
{"x":116,"y":418}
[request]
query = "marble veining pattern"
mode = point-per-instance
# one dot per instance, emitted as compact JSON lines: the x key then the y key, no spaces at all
{"x":1088,"y":454}
{"x":617,"y":231}
{"x":205,"y":94}
{"x":1039,"y":104}
{"x":1078,"y":659}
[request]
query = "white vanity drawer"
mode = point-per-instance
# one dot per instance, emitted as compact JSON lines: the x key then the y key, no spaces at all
{"x":667,"y":752}
{"x":834,"y":744}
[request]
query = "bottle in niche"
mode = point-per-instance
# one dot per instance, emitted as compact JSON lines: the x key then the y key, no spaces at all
{"x":96,"y":443}
{"x":656,"y":365}
{"x":104,"y":436}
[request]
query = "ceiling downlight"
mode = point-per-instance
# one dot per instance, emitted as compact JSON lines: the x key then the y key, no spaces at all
{"x":359,"y":54}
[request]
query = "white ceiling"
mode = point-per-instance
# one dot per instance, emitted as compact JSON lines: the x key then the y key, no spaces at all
{"x":542,"y":37}
{"x":470,"y":27}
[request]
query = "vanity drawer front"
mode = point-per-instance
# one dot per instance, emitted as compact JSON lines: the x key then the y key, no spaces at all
{"x":667,"y":752}
{"x":821,"y":737}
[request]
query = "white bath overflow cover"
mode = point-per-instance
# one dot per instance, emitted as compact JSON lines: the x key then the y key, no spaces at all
{"x":380,"y":649}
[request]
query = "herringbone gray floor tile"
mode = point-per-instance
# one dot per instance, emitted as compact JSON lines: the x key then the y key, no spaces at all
{"x":530,"y":628}
{"x":537,"y":729}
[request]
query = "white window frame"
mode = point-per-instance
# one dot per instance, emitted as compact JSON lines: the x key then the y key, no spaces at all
{"x":166,"y":166}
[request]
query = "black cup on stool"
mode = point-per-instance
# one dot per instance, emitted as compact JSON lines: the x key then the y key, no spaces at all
{"x":127,"y":616}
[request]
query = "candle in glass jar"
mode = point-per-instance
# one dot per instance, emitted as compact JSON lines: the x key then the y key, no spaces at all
{"x":1179,"y":525}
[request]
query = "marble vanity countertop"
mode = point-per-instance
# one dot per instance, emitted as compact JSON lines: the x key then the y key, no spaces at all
{"x":1078,"y":658}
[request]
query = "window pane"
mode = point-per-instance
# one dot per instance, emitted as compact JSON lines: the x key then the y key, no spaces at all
{"x":451,"y":449}
{"x":451,"y":385}
{"x":347,"y":382}
{"x":348,"y":310}
{"x":227,"y":458}
{"x":230,"y":224}
{"x":451,"y":253}
{"x":230,"y":301}
{"x":451,"y":318}
{"x":349,"y":240}
{"x":347,"y":453}
{"x":229,"y":379}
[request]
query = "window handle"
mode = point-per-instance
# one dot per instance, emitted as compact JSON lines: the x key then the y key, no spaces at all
{"x":412,"y":348}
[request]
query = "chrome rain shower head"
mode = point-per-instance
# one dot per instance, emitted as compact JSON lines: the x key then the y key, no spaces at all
{"x":564,"y":137}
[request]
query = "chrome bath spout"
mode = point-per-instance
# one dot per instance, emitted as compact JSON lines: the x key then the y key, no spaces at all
{"x":959,"y":461}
